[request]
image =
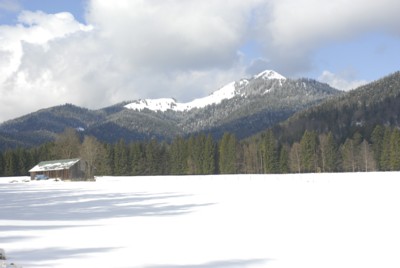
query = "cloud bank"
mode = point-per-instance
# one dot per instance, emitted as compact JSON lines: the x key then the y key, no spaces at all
{"x":129,"y":49}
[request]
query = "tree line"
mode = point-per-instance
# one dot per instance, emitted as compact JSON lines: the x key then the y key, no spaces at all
{"x":201,"y":154}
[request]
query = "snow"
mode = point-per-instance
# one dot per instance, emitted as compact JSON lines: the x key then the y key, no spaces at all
{"x":269,"y":74}
{"x":226,"y":92}
{"x":274,"y":221}
{"x":54,"y":165}
{"x":162,"y":104}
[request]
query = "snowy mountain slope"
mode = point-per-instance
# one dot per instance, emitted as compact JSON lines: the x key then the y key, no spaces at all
{"x":227,"y":92}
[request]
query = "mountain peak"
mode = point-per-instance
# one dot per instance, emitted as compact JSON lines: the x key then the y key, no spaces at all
{"x":269,"y":74}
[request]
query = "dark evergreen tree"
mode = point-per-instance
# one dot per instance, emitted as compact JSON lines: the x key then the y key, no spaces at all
{"x":395,"y":150}
{"x":348,"y":156}
{"x":209,"y":156}
{"x":10,"y":163}
{"x":121,"y":163}
{"x":384,"y":161}
{"x":1,"y":164}
{"x":269,"y":148}
{"x":154,"y":158}
{"x":308,"y":151}
{"x":136,"y":158}
{"x":329,"y":154}
{"x":377,"y":138}
{"x":227,"y":154}
{"x":284,"y":159}
{"x":178,"y":155}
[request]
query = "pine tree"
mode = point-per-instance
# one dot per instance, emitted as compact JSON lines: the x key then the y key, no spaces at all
{"x":154,"y":158}
{"x":10,"y":163}
{"x":384,"y":161}
{"x":377,"y":144}
{"x":209,"y":156}
{"x":23,"y":163}
{"x":121,"y":163}
{"x":308,"y":151}
{"x":348,"y":156}
{"x":193,"y":156}
{"x":269,"y":152}
{"x":251,"y":162}
{"x":284,"y":159}
{"x":395,"y":150}
{"x":328,"y":150}
{"x":1,"y":164}
{"x":227,"y":154}
{"x":136,"y":158}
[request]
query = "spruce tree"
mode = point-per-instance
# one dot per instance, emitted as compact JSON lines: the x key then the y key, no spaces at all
{"x":328,"y":150}
{"x":308,"y":151}
{"x":136,"y":158}
{"x":1,"y":164}
{"x":227,"y":154}
{"x":377,"y":144}
{"x":269,"y":152}
{"x":348,"y":156}
{"x":384,"y":161}
{"x":121,"y":163}
{"x":10,"y":163}
{"x":284,"y":159}
{"x":395,"y":150}
{"x":209,"y":156}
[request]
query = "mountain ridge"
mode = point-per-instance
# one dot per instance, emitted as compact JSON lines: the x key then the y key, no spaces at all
{"x":243,"y":107}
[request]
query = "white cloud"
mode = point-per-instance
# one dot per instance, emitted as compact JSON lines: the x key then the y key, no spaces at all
{"x":296,"y":28}
{"x":169,"y":48}
{"x":174,"y":34}
{"x":10,"y":5}
{"x":344,"y":81}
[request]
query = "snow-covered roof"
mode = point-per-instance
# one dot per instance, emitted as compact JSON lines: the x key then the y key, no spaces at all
{"x":54,"y":165}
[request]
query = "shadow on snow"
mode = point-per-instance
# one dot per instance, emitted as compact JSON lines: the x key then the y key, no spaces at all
{"x":217,"y":264}
{"x":55,"y":204}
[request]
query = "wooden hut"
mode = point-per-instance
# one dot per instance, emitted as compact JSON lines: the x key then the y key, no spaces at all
{"x":65,"y":169}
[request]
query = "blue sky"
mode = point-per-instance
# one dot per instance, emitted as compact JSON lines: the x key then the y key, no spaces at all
{"x":95,"y":53}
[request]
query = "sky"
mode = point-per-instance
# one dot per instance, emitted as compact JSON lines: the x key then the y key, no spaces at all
{"x":95,"y":53}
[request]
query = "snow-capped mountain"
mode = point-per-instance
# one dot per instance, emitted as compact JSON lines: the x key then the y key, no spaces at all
{"x":243,"y":107}
{"x":227,"y":92}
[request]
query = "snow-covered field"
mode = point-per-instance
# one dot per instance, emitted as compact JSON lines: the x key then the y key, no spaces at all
{"x":308,"y":220}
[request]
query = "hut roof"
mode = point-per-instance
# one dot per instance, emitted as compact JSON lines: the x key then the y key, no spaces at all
{"x":54,"y":165}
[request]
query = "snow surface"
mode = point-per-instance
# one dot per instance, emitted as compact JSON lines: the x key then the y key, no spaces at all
{"x":269,"y":74}
{"x":162,"y":105}
{"x":226,"y":92}
{"x":307,"y":220}
{"x":54,"y":165}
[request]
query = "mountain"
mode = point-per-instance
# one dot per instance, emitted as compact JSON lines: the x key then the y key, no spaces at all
{"x":242,"y":107}
{"x":359,"y":110}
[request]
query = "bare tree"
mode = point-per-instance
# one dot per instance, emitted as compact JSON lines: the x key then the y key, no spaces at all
{"x":92,"y":153}
{"x":67,"y":144}
{"x":294,"y":158}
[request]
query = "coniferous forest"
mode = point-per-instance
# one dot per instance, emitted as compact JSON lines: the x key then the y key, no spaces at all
{"x":201,"y":154}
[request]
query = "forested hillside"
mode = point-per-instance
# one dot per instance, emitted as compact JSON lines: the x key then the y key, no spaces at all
{"x":359,"y":110}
